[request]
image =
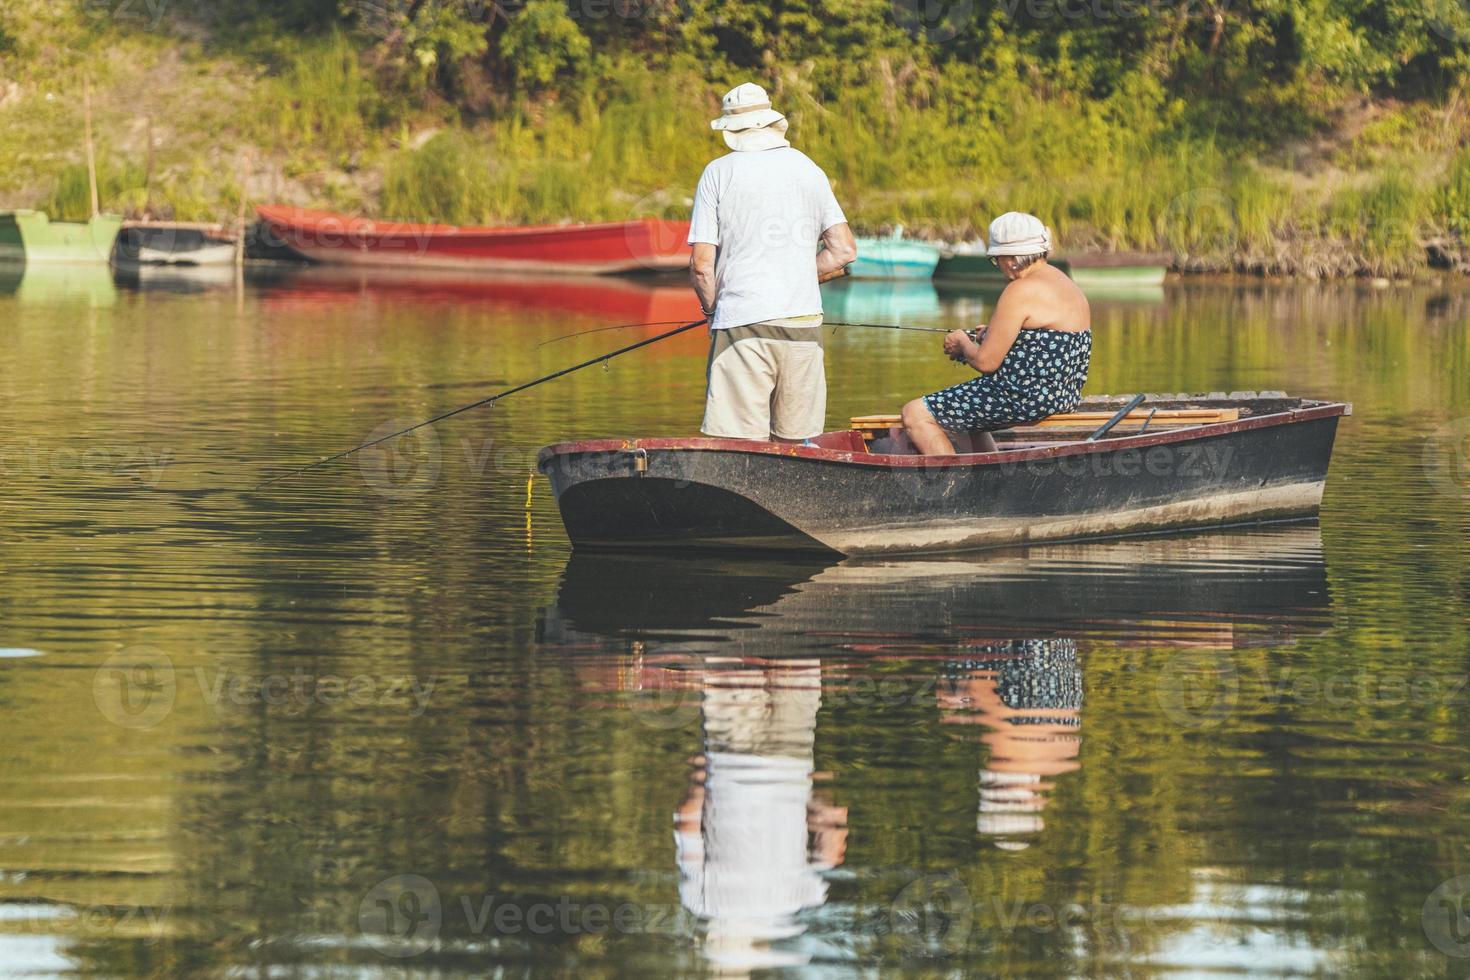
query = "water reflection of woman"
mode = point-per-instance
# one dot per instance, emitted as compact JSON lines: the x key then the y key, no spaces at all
{"x":753,"y":836}
{"x":1028,"y":694}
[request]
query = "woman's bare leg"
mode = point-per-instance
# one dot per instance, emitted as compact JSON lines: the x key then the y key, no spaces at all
{"x":925,"y":433}
{"x":983,"y":442}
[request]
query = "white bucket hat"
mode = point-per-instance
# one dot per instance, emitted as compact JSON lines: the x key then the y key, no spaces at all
{"x":747,"y":120}
{"x":1015,"y":233}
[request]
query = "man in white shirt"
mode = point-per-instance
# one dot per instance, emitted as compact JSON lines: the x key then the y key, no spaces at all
{"x":759,"y":213}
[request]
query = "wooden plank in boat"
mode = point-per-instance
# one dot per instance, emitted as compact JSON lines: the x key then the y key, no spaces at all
{"x":1164,"y":418}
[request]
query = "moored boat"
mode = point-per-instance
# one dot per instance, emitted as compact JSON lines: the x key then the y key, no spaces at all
{"x":978,"y":268}
{"x":1118,"y":270}
{"x":646,"y":245}
{"x":32,"y":237}
{"x":893,"y":258}
{"x":173,"y":243}
{"x":1178,"y":462}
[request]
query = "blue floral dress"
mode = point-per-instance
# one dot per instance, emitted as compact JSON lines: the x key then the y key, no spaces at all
{"x":1042,"y":374}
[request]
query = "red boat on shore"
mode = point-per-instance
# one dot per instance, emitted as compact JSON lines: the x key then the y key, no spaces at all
{"x":645,"y":245}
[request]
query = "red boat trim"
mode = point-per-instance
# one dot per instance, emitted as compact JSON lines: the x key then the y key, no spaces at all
{"x":333,"y":223}
{"x":760,"y":448}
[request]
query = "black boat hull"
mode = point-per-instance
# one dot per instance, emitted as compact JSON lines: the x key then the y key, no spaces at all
{"x":726,"y":494}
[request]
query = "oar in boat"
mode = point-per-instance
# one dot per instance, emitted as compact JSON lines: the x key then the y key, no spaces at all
{"x":1118,"y":416}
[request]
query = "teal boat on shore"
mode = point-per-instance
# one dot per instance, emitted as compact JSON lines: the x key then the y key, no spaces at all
{"x":894,"y":258}
{"x":33,"y":238}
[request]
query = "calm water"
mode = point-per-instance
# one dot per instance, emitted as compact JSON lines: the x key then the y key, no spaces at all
{"x":379,"y":720}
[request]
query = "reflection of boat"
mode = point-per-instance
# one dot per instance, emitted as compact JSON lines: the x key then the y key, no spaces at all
{"x":1266,"y":459}
{"x":885,"y":301}
{"x":175,"y":244}
{"x":1269,"y":584}
{"x":757,"y":651}
{"x":626,"y":246}
{"x":182,"y":279}
{"x":90,"y":285}
{"x":32,"y":237}
{"x":893,"y":258}
{"x":619,"y":299}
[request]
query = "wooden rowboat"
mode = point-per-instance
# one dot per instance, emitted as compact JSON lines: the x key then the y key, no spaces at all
{"x":893,"y":258}
{"x":647,"y":245}
{"x":175,"y":243}
{"x":1196,"y":461}
{"x":33,"y":238}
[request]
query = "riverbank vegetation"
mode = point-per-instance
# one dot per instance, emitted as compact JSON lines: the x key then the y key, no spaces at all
{"x":1280,"y":137}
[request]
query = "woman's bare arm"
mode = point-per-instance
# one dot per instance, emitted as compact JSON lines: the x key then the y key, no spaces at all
{"x":1000,"y":332}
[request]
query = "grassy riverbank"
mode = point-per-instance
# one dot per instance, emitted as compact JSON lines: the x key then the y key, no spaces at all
{"x":1342,"y":183}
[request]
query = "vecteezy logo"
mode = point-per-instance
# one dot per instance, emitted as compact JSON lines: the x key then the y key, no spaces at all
{"x":1447,"y":458}
{"x":1201,"y":222}
{"x":401,"y":916}
{"x":1198,"y":689}
{"x":933,"y":915}
{"x":651,"y":240}
{"x":936,"y":21}
{"x":402,"y":466}
{"x":1450,"y":19}
{"x":659,"y":694}
{"x":1446,"y":917}
{"x":136,"y":687}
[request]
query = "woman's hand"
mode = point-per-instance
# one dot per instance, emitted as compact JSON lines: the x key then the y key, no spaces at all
{"x":960,"y":347}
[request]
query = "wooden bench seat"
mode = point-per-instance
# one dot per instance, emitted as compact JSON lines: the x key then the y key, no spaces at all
{"x":872,"y":426}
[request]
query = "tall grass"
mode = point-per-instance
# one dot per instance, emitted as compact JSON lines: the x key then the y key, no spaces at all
{"x":119,"y":189}
{"x":940,"y":151}
{"x":323,"y":98}
{"x":1453,"y":204}
{"x":1382,"y":221}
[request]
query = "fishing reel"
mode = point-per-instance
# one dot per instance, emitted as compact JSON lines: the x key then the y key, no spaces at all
{"x":977,"y":335}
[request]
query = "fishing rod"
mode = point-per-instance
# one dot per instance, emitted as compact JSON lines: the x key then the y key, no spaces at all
{"x":619,"y":326}
{"x":599,"y":359}
{"x":626,"y":326}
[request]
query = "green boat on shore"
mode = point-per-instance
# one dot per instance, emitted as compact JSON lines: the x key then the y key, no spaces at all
{"x":1119,"y":270}
{"x":1090,"y":271}
{"x":33,"y":238}
{"x":977,"y":268}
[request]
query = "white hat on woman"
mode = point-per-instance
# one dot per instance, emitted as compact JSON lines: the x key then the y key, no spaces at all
{"x":747,"y":120}
{"x":1015,"y":233}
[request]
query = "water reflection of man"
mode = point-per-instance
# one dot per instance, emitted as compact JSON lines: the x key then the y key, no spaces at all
{"x":753,"y":836}
{"x":1028,"y":693}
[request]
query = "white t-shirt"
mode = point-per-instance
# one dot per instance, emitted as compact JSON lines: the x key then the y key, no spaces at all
{"x":765,"y":210}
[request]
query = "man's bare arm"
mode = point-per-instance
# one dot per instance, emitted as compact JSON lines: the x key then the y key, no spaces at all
{"x":702,"y":275}
{"x":841,"y":249}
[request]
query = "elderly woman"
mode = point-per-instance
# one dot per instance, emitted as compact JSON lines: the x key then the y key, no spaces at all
{"x":1032,"y":357}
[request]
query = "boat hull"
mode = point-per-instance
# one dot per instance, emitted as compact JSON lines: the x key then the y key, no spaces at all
{"x":1116,"y":277}
{"x":174,"y":245}
{"x":33,"y":238}
{"x":882,"y":258}
{"x":621,"y":247}
{"x":978,"y":268}
{"x":727,"y":494}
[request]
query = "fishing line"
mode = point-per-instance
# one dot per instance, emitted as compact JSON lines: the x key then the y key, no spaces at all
{"x":628,"y":326}
{"x":599,"y":359}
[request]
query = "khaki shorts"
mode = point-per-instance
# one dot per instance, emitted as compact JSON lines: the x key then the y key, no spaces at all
{"x":766,"y":379}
